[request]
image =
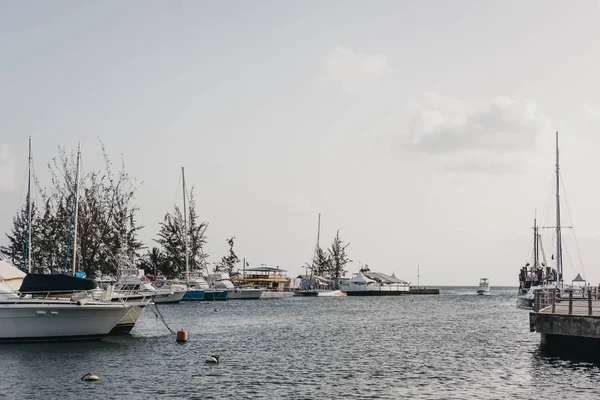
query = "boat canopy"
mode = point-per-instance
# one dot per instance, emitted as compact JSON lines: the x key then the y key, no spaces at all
{"x":10,"y":275}
{"x":383,"y":278}
{"x":55,"y":283}
{"x":264,"y":268}
{"x":360,"y":278}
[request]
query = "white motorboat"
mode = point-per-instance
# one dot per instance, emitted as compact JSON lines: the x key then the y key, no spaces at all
{"x":222,"y":280}
{"x":133,"y":281}
{"x":45,"y":317}
{"x":484,"y":287}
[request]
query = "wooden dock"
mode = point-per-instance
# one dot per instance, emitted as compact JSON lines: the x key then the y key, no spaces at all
{"x":569,"y":325}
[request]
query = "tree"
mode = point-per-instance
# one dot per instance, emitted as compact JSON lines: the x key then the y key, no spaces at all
{"x":338,"y":256}
{"x":153,"y":262}
{"x":106,"y":225}
{"x":228,"y":262}
{"x":171,"y":239}
{"x":321,"y":264}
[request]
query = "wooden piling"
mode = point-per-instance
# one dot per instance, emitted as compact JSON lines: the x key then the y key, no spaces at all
{"x":571,"y":302}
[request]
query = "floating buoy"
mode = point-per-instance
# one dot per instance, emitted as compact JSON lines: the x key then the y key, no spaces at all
{"x":181,"y":336}
{"x":216,"y":309}
{"x":90,"y":377}
{"x":213,"y":359}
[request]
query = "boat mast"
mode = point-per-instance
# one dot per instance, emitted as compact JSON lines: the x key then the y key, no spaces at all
{"x":76,"y":208}
{"x":185,"y":232}
{"x":312,"y":270}
{"x":535,"y":243}
{"x":558,"y":231}
{"x":28,"y":257}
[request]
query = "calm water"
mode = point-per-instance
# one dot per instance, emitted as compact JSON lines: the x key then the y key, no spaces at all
{"x":452,"y":346}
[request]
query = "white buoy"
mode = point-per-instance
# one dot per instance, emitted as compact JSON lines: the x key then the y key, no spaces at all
{"x":213,"y":359}
{"x":90,"y":377}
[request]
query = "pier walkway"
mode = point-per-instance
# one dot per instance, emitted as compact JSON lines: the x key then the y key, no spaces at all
{"x":569,"y":325}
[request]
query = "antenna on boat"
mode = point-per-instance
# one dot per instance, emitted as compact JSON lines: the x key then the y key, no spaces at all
{"x":418,"y":284}
{"x":185,"y":232}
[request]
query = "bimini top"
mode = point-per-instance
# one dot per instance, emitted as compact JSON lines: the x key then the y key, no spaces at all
{"x":55,"y":283}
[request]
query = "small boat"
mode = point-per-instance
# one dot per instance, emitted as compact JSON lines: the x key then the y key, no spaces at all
{"x":484,"y":287}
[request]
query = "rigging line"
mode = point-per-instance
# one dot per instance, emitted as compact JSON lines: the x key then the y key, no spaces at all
{"x":570,"y":262}
{"x":547,"y":203}
{"x":573,"y":226}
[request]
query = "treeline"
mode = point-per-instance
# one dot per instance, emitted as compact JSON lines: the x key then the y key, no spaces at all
{"x":108,"y":231}
{"x":330,"y":263}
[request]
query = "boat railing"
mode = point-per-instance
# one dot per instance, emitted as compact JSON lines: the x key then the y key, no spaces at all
{"x":549,"y":301}
{"x":75,"y":296}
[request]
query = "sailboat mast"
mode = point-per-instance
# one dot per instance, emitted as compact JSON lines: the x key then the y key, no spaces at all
{"x":318,"y":232}
{"x":185,"y":232}
{"x":76,"y":208}
{"x":558,"y":231}
{"x":535,"y":243}
{"x":29,"y":211}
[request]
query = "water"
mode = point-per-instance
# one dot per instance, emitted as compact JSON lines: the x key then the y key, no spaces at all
{"x":452,"y":346}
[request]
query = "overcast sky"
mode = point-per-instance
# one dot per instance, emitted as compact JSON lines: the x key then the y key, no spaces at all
{"x":422,"y":130}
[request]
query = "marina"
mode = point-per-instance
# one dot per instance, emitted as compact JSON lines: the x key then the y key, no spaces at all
{"x":299,"y":200}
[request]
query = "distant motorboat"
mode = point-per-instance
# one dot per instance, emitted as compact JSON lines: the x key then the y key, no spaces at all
{"x":484,"y":287}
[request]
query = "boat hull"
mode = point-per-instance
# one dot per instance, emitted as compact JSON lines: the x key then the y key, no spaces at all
{"x":216,"y":295}
{"x":483,"y":292}
{"x":275,"y":295}
{"x":37,"y":321}
{"x":172,"y":298}
{"x":377,"y":292}
{"x":244,"y":294}
{"x":193,"y":295}
{"x":126,"y":324}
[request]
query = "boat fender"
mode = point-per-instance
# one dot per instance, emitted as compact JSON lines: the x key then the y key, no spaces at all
{"x":90,"y":377}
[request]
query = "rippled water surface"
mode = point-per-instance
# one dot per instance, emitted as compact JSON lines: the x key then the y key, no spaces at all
{"x":452,"y":346}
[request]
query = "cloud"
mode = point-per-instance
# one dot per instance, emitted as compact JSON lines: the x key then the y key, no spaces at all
{"x":8,"y":163}
{"x":353,"y":70}
{"x":488,"y":137}
{"x":590,"y":111}
{"x":296,"y":203}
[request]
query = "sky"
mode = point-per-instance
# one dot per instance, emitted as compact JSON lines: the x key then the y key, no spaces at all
{"x":422,"y":130}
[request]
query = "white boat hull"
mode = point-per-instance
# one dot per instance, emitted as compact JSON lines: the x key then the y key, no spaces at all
{"x":267,"y":294}
{"x":244,"y":294}
{"x":329,"y":293}
{"x":26,"y":321}
{"x":484,"y":292}
{"x":173,"y":297}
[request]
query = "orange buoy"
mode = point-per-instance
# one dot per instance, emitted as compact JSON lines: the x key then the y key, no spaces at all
{"x":182,"y":336}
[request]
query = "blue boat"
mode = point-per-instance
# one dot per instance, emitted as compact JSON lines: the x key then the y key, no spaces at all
{"x":193,"y":295}
{"x":216,"y":294}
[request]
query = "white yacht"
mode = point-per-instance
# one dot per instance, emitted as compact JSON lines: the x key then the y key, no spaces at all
{"x":133,"y":281}
{"x":484,"y":287}
{"x":27,"y":317}
{"x":222,"y":280}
